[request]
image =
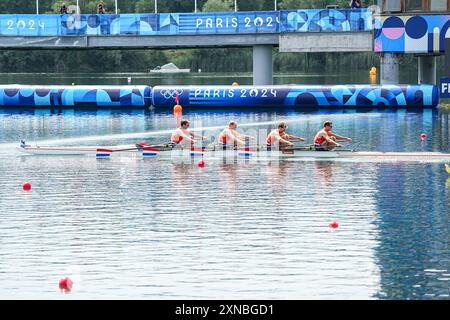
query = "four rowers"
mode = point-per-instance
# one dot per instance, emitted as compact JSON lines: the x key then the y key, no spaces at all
{"x":324,"y":140}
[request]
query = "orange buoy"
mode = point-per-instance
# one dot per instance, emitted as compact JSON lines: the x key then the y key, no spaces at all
{"x":177,"y":109}
{"x":334,"y":225}
{"x":26,"y":186}
{"x":373,"y":71}
{"x":65,"y":285}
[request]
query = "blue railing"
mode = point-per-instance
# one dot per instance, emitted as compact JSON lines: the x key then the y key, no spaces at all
{"x":186,"y":23}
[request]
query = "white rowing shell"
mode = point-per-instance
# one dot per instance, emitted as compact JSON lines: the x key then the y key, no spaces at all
{"x":92,"y":150}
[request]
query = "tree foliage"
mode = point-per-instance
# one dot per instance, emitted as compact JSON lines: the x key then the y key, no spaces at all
{"x":218,"y":6}
{"x":207,"y":59}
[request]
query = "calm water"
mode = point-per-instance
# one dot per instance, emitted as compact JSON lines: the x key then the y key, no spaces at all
{"x":152,"y":229}
{"x":353,"y":77}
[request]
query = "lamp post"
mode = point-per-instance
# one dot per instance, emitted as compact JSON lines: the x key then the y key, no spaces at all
{"x":195,"y":5}
{"x":156,"y":6}
{"x":37,"y":6}
{"x":78,"y":7}
{"x":116,"y":6}
{"x":275,"y":5}
{"x":235,"y":5}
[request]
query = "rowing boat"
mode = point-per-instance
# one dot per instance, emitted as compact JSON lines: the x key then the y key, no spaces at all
{"x":166,"y":151}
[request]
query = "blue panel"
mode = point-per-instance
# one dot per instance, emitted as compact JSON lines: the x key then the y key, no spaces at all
{"x":298,"y":96}
{"x":411,"y":34}
{"x":186,"y":23}
{"x":69,"y":96}
{"x":445,"y":88}
{"x":325,"y":20}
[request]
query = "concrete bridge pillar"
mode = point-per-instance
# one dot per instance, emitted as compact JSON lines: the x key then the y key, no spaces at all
{"x":389,"y":68}
{"x":447,"y":58}
{"x":262,"y":65}
{"x":427,"y":69}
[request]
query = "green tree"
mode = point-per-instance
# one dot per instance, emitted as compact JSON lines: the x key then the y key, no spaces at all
{"x":260,"y":5}
{"x":218,"y":6}
{"x":146,"y":6}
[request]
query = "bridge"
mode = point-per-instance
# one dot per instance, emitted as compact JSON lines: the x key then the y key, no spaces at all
{"x":290,"y":30}
{"x":310,"y":30}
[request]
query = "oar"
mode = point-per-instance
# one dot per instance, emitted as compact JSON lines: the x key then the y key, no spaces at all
{"x":312,"y":148}
{"x":104,"y":152}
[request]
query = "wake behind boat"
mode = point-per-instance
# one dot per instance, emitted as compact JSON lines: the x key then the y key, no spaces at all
{"x":170,"y":151}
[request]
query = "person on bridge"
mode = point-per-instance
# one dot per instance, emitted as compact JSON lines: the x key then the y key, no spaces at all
{"x":326,"y":140}
{"x":355,"y":4}
{"x":280,"y":137}
{"x":63,"y":9}
{"x":229,"y":137}
{"x":101,"y":8}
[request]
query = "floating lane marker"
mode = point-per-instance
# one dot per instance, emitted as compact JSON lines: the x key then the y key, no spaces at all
{"x":65,"y":285}
{"x":201,"y":164}
{"x":26,"y":186}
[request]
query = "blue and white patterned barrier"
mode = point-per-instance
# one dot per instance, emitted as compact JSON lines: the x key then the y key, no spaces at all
{"x":339,"y":96}
{"x":335,"y":96}
{"x":144,"y":24}
{"x":75,"y":96}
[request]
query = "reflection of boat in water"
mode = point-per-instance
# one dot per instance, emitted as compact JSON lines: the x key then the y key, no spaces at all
{"x":169,"y":68}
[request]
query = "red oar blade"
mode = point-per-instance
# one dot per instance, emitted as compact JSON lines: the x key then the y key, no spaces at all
{"x":142,"y":144}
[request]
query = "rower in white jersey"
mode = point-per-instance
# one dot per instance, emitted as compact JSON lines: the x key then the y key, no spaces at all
{"x":230,"y":138}
{"x":183,"y":137}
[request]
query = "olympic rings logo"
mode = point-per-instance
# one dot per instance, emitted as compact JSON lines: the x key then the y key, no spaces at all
{"x":170,"y":93}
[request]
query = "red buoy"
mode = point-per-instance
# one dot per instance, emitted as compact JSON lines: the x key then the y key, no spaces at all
{"x":26,"y":186}
{"x":334,"y":225}
{"x":201,"y":164}
{"x":65,"y":285}
{"x":423,"y":136}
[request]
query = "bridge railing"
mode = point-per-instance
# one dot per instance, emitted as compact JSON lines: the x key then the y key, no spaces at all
{"x":326,"y":20}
